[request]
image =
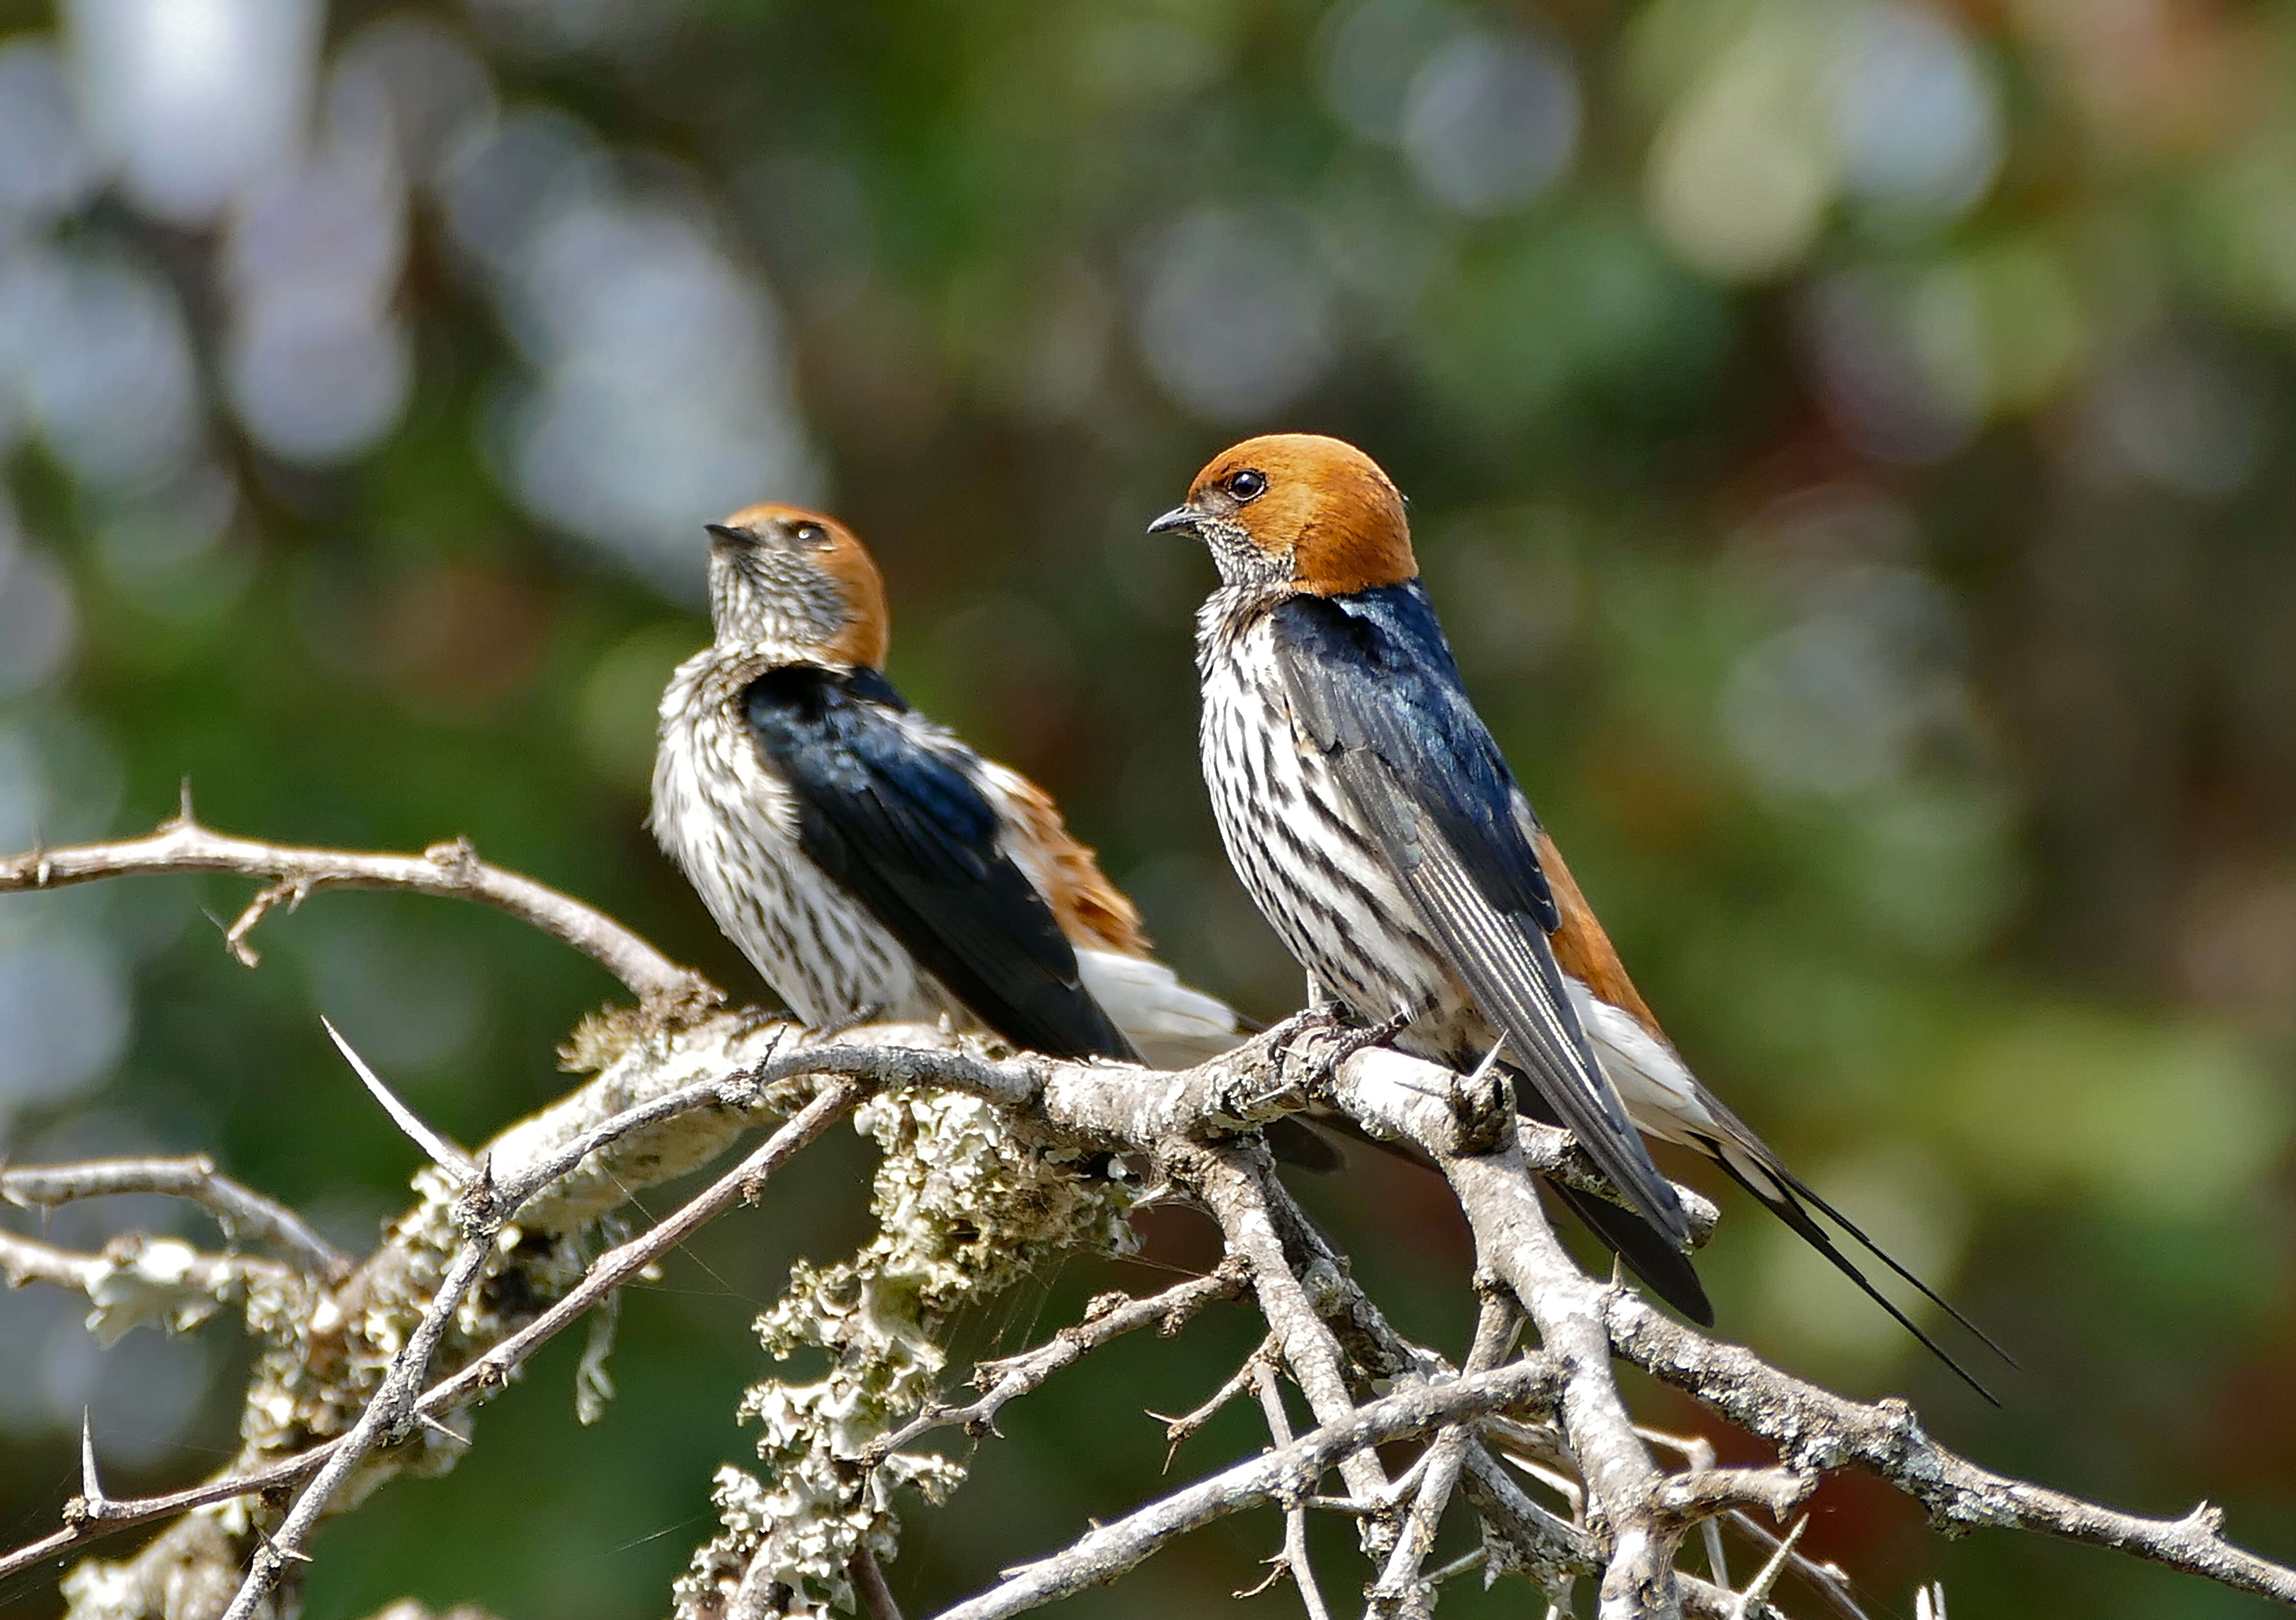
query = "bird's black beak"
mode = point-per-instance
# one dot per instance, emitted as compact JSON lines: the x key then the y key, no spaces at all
{"x":1180,"y":520}
{"x":724,"y":539}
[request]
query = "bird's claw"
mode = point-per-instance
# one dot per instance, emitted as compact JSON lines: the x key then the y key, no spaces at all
{"x":830,"y":1029}
{"x":1358,"y":1040}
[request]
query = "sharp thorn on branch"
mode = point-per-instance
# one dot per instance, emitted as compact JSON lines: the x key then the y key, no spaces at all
{"x":1830,"y":1581}
{"x":279,"y":1550}
{"x":445,"y":1154}
{"x":91,"y":1488}
{"x":1278,"y":1567}
{"x":1458,"y":1566}
{"x":1758,"y":1591}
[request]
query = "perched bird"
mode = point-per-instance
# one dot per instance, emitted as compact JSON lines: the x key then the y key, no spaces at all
{"x":1370,"y":814}
{"x":868,"y":862}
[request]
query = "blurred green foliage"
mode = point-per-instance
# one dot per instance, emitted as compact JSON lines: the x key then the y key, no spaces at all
{"x":1850,"y":441}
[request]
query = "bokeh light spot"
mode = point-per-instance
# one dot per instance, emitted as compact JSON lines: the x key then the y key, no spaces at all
{"x":1236,"y":318}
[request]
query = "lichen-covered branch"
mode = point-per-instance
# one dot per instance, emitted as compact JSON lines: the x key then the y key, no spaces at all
{"x":1816,"y":1429}
{"x":242,"y":1213}
{"x":137,"y":1280}
{"x":969,"y":1201}
{"x":993,"y":1164}
{"x":329,"y":1358}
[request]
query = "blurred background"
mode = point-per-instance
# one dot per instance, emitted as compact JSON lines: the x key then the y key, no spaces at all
{"x":1851,"y":442}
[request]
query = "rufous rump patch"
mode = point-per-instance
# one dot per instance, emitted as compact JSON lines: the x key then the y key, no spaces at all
{"x":1093,"y":912}
{"x":1582,"y":949}
{"x":1328,"y":505}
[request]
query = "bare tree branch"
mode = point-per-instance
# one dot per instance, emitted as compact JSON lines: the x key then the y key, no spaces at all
{"x":1554,"y":1552}
{"x":1515,"y":1243}
{"x":1814,"y":1429}
{"x":137,"y":1279}
{"x":1177,"y":1430}
{"x":1232,"y":1183}
{"x":1106,"y":1318}
{"x":1702,"y":1493}
{"x":241,"y":1213}
{"x":1293,"y":1560}
{"x":675,"y":1088}
{"x":1289,"y":1472}
{"x":1397,"y":1590}
{"x":452,"y":869}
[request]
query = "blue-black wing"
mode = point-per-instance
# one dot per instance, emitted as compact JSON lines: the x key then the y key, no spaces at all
{"x":906,"y":829}
{"x":1373,"y":684}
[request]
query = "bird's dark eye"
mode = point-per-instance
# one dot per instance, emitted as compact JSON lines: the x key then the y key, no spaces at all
{"x":1247,"y":486}
{"x":809,"y":533}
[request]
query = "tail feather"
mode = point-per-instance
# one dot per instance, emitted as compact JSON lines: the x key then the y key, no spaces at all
{"x":1794,"y":1188}
{"x":1648,"y":1252}
{"x":1667,"y":1100}
{"x":1296,"y":1142}
{"x":1783,"y":1197}
{"x":1176,"y":1027}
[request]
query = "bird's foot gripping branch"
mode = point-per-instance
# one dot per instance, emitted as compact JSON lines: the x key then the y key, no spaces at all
{"x":993,"y":1164}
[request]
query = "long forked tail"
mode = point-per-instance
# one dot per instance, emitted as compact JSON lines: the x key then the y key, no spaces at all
{"x":1791,"y":1199}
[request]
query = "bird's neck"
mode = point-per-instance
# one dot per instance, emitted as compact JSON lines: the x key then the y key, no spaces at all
{"x":1230,"y":612}
{"x":724,"y":669}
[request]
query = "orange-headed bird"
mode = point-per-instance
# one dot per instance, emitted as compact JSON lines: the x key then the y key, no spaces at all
{"x":1366,"y":808}
{"x":868,"y":862}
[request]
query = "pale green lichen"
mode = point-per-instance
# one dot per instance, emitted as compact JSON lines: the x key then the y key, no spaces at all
{"x":967,"y":1205}
{"x":324,"y":1351}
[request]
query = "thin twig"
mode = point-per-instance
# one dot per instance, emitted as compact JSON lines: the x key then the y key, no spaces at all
{"x":1553,"y":1552}
{"x":1815,"y":1428}
{"x":1291,"y":1471}
{"x":1177,"y":1430}
{"x":1698,"y":1453}
{"x":1828,"y":1580}
{"x":85,"y":1521}
{"x":1293,"y":1560}
{"x":1233,"y":1183}
{"x":241,"y":1212}
{"x":1397,"y":1588}
{"x":869,"y":1585}
{"x":180,"y":844}
{"x":392,"y":1405}
{"x":1107,"y":1318}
